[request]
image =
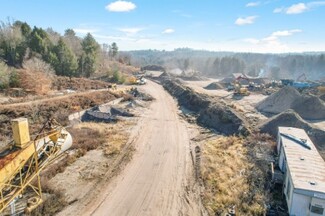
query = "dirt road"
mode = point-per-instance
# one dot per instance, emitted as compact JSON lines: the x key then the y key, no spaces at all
{"x":157,"y":180}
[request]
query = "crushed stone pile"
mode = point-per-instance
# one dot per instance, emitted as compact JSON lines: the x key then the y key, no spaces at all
{"x":227,"y":80}
{"x":290,"y":118}
{"x":214,"y":86}
{"x":104,"y":113}
{"x":212,"y":114}
{"x":322,"y":97}
{"x":279,"y":101}
{"x":308,"y":107}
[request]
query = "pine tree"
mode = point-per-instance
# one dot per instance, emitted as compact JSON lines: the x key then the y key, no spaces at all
{"x":66,"y":63}
{"x":88,"y":60}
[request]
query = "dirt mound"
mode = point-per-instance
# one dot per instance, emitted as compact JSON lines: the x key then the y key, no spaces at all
{"x":227,"y":80}
{"x":309,"y":107}
{"x":322,"y":97}
{"x":164,"y":74}
{"x":193,"y":78}
{"x":214,"y":86}
{"x":279,"y":101}
{"x":290,"y":118}
{"x":223,"y":118}
{"x":80,"y":84}
{"x":212,"y":114}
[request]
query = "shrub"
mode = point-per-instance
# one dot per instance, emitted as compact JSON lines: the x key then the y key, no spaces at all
{"x":4,"y":76}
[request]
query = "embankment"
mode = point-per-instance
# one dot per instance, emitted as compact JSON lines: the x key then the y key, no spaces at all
{"x":211,"y":113}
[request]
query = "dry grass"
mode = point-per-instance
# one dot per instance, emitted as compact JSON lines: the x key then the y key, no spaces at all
{"x":232,"y":176}
{"x":59,"y":109}
{"x":110,"y":137}
{"x":54,"y":201}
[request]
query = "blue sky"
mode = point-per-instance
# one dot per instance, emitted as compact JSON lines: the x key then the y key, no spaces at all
{"x":220,"y":25}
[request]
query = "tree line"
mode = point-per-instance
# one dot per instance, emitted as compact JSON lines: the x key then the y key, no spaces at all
{"x":222,"y":64}
{"x":68,"y":54}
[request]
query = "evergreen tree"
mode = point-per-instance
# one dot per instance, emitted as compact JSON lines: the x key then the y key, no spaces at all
{"x":113,"y":50}
{"x":87,"y":61}
{"x":65,"y":64}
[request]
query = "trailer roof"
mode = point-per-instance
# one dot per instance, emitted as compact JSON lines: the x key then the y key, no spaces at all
{"x":306,"y":166}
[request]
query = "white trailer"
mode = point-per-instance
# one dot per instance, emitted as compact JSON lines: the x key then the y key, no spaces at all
{"x":304,"y":171}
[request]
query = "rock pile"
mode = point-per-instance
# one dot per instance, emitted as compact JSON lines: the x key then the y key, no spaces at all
{"x":308,"y":107}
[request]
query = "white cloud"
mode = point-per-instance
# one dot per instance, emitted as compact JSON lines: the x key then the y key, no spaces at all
{"x":110,"y":38}
{"x":168,"y":31}
{"x":245,"y":20}
{"x":130,"y":31}
{"x":253,"y":4}
{"x":278,"y":10}
{"x":285,"y":32}
{"x":299,"y":7}
{"x":252,"y":40}
{"x":84,"y":30}
{"x":272,"y":42}
{"x":120,"y":6}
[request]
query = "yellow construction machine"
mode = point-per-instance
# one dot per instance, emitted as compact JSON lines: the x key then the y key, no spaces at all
{"x":239,"y":90}
{"x":22,"y":161}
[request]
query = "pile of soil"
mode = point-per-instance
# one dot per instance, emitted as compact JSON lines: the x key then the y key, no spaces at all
{"x":307,"y":106}
{"x":322,"y":97}
{"x":279,"y":101}
{"x":193,"y":78}
{"x":224,"y":119}
{"x":227,"y":80}
{"x":164,"y":74}
{"x":212,"y":114}
{"x":214,"y":86}
{"x":290,"y":118}
{"x":80,"y":84}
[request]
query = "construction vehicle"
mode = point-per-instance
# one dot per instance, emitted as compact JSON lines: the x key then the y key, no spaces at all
{"x":136,"y":80}
{"x":23,"y":160}
{"x":240,"y":90}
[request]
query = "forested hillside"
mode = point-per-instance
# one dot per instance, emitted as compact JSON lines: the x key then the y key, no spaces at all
{"x":45,"y":50}
{"x":219,"y":64}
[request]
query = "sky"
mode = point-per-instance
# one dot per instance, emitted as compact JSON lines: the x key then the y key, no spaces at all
{"x":270,"y":26}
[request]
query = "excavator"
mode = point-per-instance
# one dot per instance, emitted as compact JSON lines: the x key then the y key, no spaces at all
{"x":24,"y":158}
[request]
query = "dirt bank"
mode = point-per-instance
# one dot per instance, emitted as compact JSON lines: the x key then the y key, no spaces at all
{"x":214,"y":114}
